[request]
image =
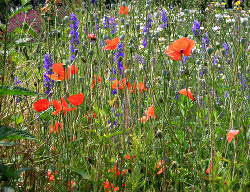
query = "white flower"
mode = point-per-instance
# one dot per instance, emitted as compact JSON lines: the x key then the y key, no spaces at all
{"x":243,"y":19}
{"x":230,"y":20}
{"x":216,"y":28}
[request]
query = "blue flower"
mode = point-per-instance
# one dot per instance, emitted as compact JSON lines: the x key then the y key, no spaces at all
{"x":47,"y":82}
{"x":74,"y":41}
{"x":109,"y":22}
{"x":118,"y":57}
{"x":144,"y":42}
{"x":17,"y":81}
{"x":164,"y":19}
{"x":226,"y":48}
{"x":196,"y":28}
{"x":148,"y":25}
{"x":205,"y":41}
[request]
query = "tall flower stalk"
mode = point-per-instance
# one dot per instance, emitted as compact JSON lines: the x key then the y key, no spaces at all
{"x":74,"y":41}
{"x":47,"y":82}
{"x":118,"y":57}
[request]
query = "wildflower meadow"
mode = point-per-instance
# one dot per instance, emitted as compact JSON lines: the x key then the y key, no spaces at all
{"x":128,"y":96}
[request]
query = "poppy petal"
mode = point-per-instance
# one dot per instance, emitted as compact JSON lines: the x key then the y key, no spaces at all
{"x":188,"y":93}
{"x":144,"y":119}
{"x":112,"y":44}
{"x":150,"y":112}
{"x":58,"y":69}
{"x":73,"y":69}
{"x":41,"y":105}
{"x":123,"y":10}
{"x":209,"y":169}
{"x":58,"y":106}
{"x":76,"y":99}
{"x":231,"y":134}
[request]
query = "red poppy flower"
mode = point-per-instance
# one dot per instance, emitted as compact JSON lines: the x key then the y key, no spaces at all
{"x":179,"y":47}
{"x":123,"y":10}
{"x":41,"y":105}
{"x":60,"y":73}
{"x":149,"y":113}
{"x":61,"y":106}
{"x":188,"y":93}
{"x":92,"y":36}
{"x":111,"y":44}
{"x":73,"y":69}
{"x":141,"y":86}
{"x":231,"y":134}
{"x":122,"y":84}
{"x":161,"y":170}
{"x":128,"y":157}
{"x":76,"y":99}
{"x":89,"y":116}
{"x":97,"y":79}
{"x":209,"y":169}
{"x":124,"y":172}
{"x":160,"y":164}
{"x":51,"y":175}
{"x":115,"y":170}
{"x":71,"y":185}
{"x":107,"y":185}
{"x":116,"y":189}
{"x":55,"y":128}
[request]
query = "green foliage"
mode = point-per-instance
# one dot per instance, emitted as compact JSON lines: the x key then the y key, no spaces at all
{"x":12,"y":134}
{"x":15,"y":90}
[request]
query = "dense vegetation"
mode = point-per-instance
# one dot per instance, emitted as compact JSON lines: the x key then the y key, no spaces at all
{"x":128,"y":96}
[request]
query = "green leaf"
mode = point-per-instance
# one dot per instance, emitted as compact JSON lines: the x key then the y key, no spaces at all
{"x":22,"y":9}
{"x":10,"y":133}
{"x":81,"y":172}
{"x":8,"y":144}
{"x":7,"y":172}
{"x":18,"y":119}
{"x":14,"y":90}
{"x":24,"y":2}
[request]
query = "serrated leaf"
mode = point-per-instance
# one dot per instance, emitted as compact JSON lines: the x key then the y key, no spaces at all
{"x":9,"y":133}
{"x":14,"y":90}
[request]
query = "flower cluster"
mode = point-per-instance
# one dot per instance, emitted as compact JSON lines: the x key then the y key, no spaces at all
{"x":196,"y":28}
{"x":164,"y":19}
{"x":74,"y":41}
{"x":118,"y":57}
{"x":47,"y":82}
{"x":60,"y":106}
{"x":110,"y":23}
